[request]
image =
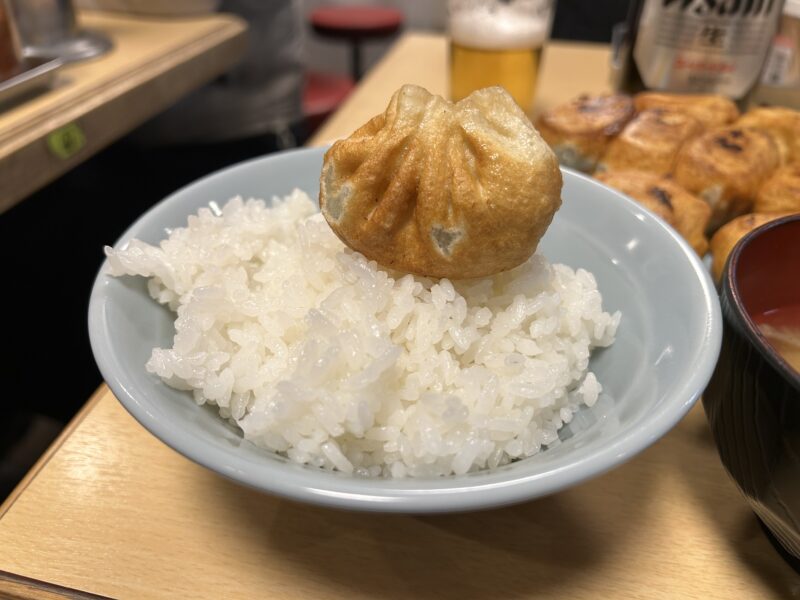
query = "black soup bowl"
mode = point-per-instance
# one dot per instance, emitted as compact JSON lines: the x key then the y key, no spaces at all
{"x":753,"y":400}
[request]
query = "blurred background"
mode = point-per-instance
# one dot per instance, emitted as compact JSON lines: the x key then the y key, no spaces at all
{"x":55,"y":237}
{"x":582,"y":20}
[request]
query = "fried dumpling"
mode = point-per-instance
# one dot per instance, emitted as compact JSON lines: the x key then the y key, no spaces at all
{"x":725,"y":167}
{"x":783,"y":124}
{"x":711,"y":110}
{"x":650,"y":141}
{"x":441,"y":189}
{"x":781,"y":192}
{"x":687,"y":213}
{"x":580,"y":130}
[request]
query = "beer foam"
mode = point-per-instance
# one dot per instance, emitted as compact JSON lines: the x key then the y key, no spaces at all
{"x":500,"y":29}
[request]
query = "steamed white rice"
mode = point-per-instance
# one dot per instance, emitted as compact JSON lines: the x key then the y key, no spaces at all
{"x":317,"y":353}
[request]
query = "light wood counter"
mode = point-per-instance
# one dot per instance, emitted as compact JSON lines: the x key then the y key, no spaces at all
{"x":110,"y":510}
{"x":154,"y":62}
{"x":568,"y":69}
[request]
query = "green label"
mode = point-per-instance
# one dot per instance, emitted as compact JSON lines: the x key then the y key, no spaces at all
{"x":66,"y":141}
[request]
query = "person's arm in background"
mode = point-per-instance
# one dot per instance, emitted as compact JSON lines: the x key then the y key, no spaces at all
{"x":262,"y":95}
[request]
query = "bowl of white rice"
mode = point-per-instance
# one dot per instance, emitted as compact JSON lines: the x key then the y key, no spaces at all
{"x":235,"y":326}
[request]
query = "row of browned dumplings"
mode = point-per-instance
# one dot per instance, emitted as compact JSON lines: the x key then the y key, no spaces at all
{"x":693,"y":160}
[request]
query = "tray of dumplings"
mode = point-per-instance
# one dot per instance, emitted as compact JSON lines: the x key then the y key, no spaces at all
{"x":695,"y":161}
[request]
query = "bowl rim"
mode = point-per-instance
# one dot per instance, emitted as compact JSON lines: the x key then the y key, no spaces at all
{"x":381,"y":495}
{"x":730,"y":288}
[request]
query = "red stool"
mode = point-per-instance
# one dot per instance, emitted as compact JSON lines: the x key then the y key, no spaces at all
{"x":356,"y":24}
{"x":322,"y":95}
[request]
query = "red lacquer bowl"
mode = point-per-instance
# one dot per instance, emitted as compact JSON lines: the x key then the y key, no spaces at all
{"x":753,"y":399}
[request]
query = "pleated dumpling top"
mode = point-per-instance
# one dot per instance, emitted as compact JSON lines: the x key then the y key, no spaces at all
{"x":443,"y":189}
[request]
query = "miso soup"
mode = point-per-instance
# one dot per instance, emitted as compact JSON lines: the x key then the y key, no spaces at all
{"x":781,"y":327}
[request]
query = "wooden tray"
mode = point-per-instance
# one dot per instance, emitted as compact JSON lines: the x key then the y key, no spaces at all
{"x":36,"y":74}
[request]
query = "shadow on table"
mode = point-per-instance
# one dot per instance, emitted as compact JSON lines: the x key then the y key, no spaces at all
{"x":521,"y":550}
{"x":739,"y":525}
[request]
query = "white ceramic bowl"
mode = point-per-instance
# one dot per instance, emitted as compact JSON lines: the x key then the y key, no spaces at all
{"x":666,"y":349}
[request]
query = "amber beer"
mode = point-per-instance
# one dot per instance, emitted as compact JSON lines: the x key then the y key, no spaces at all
{"x":497,"y":43}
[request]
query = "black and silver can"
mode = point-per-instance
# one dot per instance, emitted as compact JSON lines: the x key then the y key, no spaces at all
{"x":695,"y":46}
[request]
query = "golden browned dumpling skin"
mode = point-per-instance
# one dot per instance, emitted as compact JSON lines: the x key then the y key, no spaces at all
{"x":783,"y":124}
{"x":723,"y":241}
{"x":686,"y":213}
{"x":650,"y":141}
{"x":440,"y":189}
{"x":642,"y":187}
{"x":578,"y":131}
{"x":725,"y":168}
{"x":712,"y":111}
{"x":781,"y":192}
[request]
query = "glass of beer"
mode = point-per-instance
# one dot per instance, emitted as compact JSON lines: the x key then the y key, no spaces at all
{"x":497,"y":42}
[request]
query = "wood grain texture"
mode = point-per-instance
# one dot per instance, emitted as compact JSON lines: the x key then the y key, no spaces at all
{"x":568,"y":69}
{"x":114,"y":512}
{"x":15,"y":587}
{"x":52,"y":449}
{"x":152,"y":65}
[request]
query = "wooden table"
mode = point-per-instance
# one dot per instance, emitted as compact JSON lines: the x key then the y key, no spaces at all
{"x":154,"y":62}
{"x":110,"y":510}
{"x":568,"y":70}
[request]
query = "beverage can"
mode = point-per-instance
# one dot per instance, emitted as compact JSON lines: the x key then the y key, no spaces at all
{"x":699,"y":46}
{"x":783,"y":65}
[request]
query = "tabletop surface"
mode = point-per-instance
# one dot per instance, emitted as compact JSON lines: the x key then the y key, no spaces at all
{"x":111,"y":511}
{"x":154,"y":62}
